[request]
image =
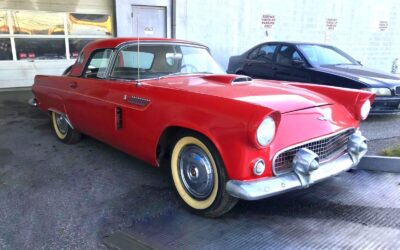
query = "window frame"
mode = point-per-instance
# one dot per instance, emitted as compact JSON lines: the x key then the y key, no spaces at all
{"x":106,"y":72}
{"x":34,"y":59}
{"x":66,"y":36}
{"x":10,"y":51}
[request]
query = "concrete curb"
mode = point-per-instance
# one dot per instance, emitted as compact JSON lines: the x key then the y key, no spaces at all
{"x":16,"y":89}
{"x":380,"y":163}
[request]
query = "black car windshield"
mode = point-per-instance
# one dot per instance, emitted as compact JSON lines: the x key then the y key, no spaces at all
{"x":320,"y":55}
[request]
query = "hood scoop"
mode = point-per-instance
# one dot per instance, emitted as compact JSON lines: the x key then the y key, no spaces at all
{"x":229,"y":79}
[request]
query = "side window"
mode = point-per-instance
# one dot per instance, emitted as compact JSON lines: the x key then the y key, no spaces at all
{"x":254,"y":53}
{"x":287,"y":54}
{"x":129,"y":61}
{"x":266,"y":53}
{"x":194,"y":60}
{"x":98,"y":63}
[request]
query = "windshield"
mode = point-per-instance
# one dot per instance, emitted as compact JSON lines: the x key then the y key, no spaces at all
{"x":320,"y":55}
{"x":163,"y":60}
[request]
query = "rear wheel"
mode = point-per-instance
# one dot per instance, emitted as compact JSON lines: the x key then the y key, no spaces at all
{"x":63,"y":130}
{"x":199,"y":176}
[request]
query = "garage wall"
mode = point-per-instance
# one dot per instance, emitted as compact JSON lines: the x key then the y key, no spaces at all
{"x":232,"y":27}
{"x":20,"y":73}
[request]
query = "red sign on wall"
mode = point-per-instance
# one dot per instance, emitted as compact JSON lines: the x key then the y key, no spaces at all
{"x":267,"y":21}
{"x":23,"y":55}
{"x":331,"y":23}
{"x":383,"y":25}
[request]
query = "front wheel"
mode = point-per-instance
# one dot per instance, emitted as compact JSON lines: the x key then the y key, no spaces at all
{"x":199,"y":176}
{"x":63,"y":130}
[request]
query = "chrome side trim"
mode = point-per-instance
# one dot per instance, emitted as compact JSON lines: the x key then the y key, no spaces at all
{"x":136,"y":100}
{"x":271,"y":186}
{"x":306,"y":142}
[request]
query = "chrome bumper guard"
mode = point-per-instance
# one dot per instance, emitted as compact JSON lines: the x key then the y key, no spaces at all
{"x":307,"y":171}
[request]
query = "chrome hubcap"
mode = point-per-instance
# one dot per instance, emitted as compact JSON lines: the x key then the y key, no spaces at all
{"x":196,"y":172}
{"x":61,"y":124}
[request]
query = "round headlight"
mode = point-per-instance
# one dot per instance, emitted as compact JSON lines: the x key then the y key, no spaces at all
{"x":365,"y":108}
{"x":380,"y":91}
{"x":266,"y":131}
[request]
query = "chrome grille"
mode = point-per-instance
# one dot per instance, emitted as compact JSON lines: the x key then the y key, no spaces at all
{"x":397,"y":90}
{"x":325,"y":148}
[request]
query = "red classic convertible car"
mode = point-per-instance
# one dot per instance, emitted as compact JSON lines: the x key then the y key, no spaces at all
{"x":225,"y":136}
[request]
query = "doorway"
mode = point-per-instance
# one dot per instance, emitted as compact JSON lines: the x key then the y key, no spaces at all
{"x":149,"y":21}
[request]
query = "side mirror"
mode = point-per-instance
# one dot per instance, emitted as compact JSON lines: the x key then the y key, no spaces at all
{"x":298,"y":63}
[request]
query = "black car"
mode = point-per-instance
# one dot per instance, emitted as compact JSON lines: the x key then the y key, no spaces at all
{"x":321,"y":64}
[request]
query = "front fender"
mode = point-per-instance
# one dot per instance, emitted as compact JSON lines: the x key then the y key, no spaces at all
{"x":226,"y":125}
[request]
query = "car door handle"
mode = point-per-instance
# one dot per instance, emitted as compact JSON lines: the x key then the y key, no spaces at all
{"x":73,"y":85}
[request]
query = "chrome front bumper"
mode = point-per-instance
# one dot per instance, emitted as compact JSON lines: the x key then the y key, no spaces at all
{"x":305,"y":172}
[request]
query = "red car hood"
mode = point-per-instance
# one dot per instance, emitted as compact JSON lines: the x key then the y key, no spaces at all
{"x":271,"y":94}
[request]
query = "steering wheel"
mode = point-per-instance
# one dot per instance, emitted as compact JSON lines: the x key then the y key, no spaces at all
{"x":188,"y":66}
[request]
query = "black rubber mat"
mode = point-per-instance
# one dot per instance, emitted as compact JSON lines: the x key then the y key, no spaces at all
{"x":357,"y":209}
{"x":120,"y":240}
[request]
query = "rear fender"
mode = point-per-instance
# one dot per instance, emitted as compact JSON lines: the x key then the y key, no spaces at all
{"x":49,"y":98}
{"x":55,"y":103}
